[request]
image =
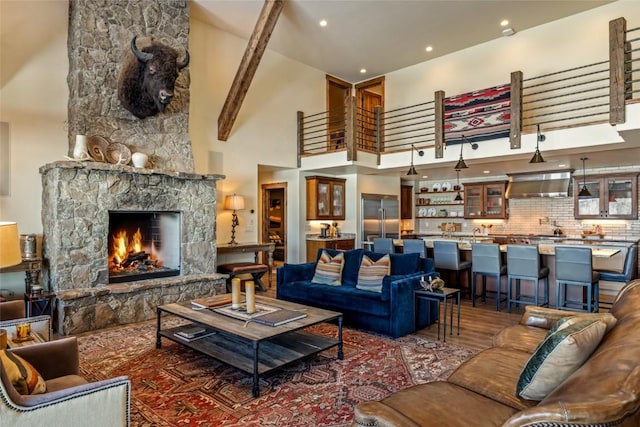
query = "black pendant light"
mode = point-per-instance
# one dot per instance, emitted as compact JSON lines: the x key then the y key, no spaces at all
{"x":584,"y":192}
{"x":461,"y":164}
{"x":458,"y":197}
{"x":412,"y":169}
{"x":537,"y":157}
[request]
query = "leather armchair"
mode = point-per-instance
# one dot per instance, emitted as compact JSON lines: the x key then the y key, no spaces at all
{"x":70,"y":400}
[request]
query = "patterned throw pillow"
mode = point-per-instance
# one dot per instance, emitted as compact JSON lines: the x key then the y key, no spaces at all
{"x":329,"y":269}
{"x":371,"y":273}
{"x":22,"y":374}
{"x":558,"y":356}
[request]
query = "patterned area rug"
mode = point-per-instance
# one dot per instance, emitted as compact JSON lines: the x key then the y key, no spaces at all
{"x":175,"y":386}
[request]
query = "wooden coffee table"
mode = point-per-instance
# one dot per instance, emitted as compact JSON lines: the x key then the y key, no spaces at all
{"x":251,"y":347}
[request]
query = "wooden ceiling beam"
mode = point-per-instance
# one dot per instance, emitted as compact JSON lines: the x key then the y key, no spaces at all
{"x":248,"y":66}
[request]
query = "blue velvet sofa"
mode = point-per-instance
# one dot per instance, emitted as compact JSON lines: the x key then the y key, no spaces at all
{"x":390,"y":312}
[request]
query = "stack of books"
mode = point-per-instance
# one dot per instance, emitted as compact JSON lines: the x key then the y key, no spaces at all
{"x":279,"y":317}
{"x":192,"y":333}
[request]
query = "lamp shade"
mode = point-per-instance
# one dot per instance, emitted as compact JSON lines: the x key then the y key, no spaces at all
{"x":234,"y":202}
{"x":9,"y":245}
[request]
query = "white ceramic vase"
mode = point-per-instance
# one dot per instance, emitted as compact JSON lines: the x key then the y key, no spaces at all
{"x":80,"y":150}
{"x":139,"y":159}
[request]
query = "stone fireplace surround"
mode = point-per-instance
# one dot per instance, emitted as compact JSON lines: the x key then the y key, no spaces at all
{"x":76,"y":200}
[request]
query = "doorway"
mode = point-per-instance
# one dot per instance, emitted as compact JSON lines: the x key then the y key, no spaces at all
{"x":369,"y":95}
{"x":338,"y":91}
{"x":274,"y":221}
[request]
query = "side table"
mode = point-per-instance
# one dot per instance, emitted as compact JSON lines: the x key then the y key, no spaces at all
{"x":444,"y":295}
{"x":38,"y":304}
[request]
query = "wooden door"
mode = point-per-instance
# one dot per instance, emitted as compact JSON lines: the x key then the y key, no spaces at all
{"x":338,"y":91}
{"x":369,"y":94}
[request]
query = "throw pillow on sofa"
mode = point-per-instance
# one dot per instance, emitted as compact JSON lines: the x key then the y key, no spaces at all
{"x":558,"y":356}
{"x":371,"y":273}
{"x":22,"y":374}
{"x":564,"y":322}
{"x":329,"y":269}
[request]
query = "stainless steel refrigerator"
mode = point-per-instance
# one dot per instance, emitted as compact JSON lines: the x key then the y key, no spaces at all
{"x":380,"y":216}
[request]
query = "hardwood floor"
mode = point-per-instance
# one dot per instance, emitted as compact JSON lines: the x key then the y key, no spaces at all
{"x":478,"y":324}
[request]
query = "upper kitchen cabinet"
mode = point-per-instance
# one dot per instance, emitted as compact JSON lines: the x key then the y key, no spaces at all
{"x":612,"y":197}
{"x":325,"y":198}
{"x":485,"y":200}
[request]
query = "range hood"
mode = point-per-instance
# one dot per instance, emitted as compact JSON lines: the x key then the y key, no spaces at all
{"x":539,"y":184}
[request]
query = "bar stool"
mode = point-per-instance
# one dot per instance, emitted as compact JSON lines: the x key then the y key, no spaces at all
{"x":523,"y":263}
{"x":411,"y":246}
{"x":446,"y":256}
{"x":573,"y":268}
{"x":383,"y":245}
{"x":486,"y":261}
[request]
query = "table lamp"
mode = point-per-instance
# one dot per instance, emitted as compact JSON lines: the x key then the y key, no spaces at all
{"x":234,"y":203}
{"x":9,"y":245}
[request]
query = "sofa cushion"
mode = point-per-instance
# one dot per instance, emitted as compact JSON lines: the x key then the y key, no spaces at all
{"x":329,"y":269}
{"x":558,"y":356}
{"x":352,"y":260}
{"x":372,"y":273}
{"x":23,"y":376}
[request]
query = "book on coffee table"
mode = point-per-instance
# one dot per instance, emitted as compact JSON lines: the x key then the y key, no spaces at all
{"x":279,"y":317}
{"x":212,"y":301}
{"x":194,"y":332}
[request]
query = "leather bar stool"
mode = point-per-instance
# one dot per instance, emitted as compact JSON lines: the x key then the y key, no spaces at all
{"x":486,"y":261}
{"x":523,"y":263}
{"x":383,"y":245}
{"x":574,"y":268}
{"x":446,"y":256}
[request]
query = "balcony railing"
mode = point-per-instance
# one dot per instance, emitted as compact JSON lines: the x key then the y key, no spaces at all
{"x":580,"y":96}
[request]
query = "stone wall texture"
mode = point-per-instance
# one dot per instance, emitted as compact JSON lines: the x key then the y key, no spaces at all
{"x":100,"y":33}
{"x":77,"y":198}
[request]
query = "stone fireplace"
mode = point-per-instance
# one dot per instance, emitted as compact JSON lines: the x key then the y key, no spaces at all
{"x":82,"y":201}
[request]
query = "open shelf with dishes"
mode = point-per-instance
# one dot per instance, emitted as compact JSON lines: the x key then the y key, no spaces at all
{"x":438,"y":202}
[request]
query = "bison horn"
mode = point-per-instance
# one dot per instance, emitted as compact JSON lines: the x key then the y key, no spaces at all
{"x":142,"y":56}
{"x":185,"y":62}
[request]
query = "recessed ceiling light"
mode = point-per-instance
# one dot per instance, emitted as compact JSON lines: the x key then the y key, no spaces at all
{"x":428,"y":48}
{"x":561,"y":165}
{"x":363,"y":70}
{"x":323,"y":23}
{"x":425,"y":176}
{"x":508,"y":32}
{"x":486,"y":171}
{"x":504,"y":22}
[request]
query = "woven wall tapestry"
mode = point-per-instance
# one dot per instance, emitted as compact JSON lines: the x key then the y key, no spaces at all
{"x":479,"y":115}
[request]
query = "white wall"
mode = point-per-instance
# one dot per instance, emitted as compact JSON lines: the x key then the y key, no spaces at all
{"x":264,"y":131}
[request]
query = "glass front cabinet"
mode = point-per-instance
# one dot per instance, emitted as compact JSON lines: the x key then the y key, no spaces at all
{"x":611,"y":197}
{"x":485,"y":200}
{"x":325,"y":198}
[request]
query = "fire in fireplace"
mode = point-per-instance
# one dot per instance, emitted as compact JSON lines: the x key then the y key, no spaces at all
{"x":143,"y":245}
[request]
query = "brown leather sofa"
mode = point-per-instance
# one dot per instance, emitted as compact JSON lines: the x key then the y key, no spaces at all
{"x":604,"y":391}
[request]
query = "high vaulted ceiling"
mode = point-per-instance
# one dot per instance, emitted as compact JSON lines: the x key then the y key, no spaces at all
{"x":383,"y":35}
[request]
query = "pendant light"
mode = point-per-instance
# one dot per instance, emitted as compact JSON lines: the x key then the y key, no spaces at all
{"x":537,"y":157}
{"x":458,"y":197}
{"x":412,"y":169}
{"x":584,"y":192}
{"x":461,"y":164}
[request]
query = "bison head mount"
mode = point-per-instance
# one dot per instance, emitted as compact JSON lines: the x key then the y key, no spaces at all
{"x":148,"y":77}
